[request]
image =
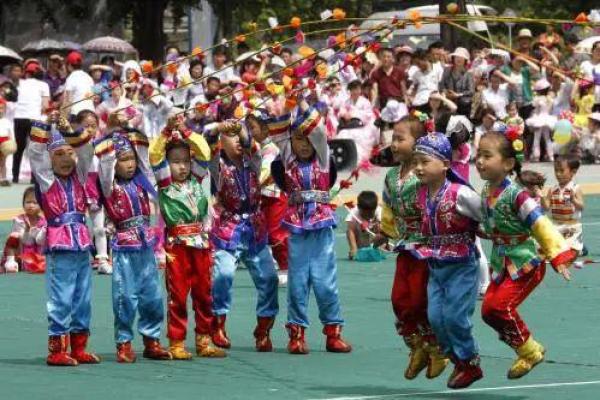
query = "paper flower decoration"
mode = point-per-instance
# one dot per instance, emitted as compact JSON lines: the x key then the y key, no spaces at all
{"x":414,"y":15}
{"x":172,"y":68}
{"x":295,"y":22}
{"x":197,"y":52}
{"x":276,"y":49}
{"x":147,"y":67}
{"x":290,"y":103}
{"x":339,"y":14}
{"x":252,"y":26}
{"x":581,"y":18}
{"x":240,"y":38}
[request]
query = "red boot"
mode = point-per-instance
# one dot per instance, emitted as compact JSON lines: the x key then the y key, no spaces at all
{"x":296,"y":345}
{"x":335,"y":343}
{"x":125,"y":353}
{"x":219,"y":336}
{"x":154,"y":351}
{"x":57,"y":352}
{"x":466,"y":372}
{"x":78,"y":345}
{"x":261,"y":333}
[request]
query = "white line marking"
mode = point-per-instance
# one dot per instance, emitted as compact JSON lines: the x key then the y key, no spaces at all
{"x":474,"y":390}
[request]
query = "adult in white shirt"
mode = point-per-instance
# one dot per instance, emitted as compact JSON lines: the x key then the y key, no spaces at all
{"x":79,"y":86}
{"x":155,"y":109}
{"x":591,"y":70}
{"x":34,"y":96}
{"x":425,"y":80}
{"x":219,"y":69}
{"x":496,"y":95}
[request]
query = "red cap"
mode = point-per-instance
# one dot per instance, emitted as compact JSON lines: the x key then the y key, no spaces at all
{"x":113,"y":84}
{"x":32,"y":67}
{"x":2,"y":101}
{"x":74,"y":58}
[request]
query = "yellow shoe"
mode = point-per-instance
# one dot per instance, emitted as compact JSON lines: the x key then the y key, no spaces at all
{"x":178,"y":351}
{"x":437,"y":361}
{"x":417,"y":359}
{"x":205,"y":348}
{"x":530,"y":354}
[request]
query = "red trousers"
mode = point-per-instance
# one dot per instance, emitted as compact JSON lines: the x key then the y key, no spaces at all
{"x":188,"y":269}
{"x":409,"y":295}
{"x":274,"y":209}
{"x":499,"y":308}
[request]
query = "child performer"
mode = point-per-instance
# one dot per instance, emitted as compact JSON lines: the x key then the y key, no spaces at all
{"x":363,"y":226}
{"x":273,"y":201}
{"x":451,"y":211}
{"x":60,"y":162}
{"x":565,"y":202}
{"x":514,"y":222}
{"x":25,"y":242}
{"x":401,"y":219}
{"x":179,"y":159}
{"x":306,"y":173}
{"x":88,"y":120}
{"x":239,"y":232}
{"x":123,"y":174}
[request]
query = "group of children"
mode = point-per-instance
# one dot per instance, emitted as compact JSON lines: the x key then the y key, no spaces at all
{"x":271,"y":176}
{"x":435,"y":216}
{"x":270,"y":181}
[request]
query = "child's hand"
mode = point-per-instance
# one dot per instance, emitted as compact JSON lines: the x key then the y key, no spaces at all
{"x":11,"y":265}
{"x":563,"y":269}
{"x":352,"y":254}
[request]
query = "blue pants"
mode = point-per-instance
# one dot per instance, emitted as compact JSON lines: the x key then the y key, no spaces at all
{"x":263,"y":273}
{"x":69,"y":287}
{"x":312,"y":264}
{"x":135,"y":287}
{"x":452,"y":294}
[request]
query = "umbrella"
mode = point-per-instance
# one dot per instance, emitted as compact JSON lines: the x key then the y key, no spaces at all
{"x":7,"y":55}
{"x":109,"y":44}
{"x":46,"y":44}
{"x":585,"y":46}
{"x":72,"y":45}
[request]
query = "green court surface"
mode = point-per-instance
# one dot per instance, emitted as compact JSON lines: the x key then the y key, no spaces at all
{"x":565,"y":317}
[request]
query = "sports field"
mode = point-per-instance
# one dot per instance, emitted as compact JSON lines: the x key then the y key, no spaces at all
{"x":565,"y":317}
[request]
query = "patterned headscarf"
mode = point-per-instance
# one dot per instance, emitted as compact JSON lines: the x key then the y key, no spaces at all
{"x":437,"y":145}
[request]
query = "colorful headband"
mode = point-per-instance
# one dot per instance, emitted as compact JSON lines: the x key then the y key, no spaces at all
{"x":436,"y":145}
{"x":121,"y":143}
{"x":306,"y":121}
{"x":56,"y":139}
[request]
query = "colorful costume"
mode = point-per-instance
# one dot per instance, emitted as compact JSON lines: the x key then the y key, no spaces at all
{"x":184,"y":207}
{"x":239,"y":233}
{"x":310,"y":219}
{"x":401,"y":220}
{"x":515,"y":222}
{"x":449,"y":223}
{"x":135,"y":286}
{"x":565,"y":216}
{"x":68,"y":271}
{"x":27,"y":242}
{"x":274,"y":204}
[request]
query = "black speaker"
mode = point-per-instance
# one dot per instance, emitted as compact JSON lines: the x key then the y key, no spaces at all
{"x":344,"y":154}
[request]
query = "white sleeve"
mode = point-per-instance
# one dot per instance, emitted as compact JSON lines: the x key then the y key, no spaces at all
{"x":468,"y":203}
{"x":45,"y":89}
